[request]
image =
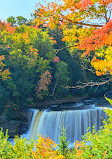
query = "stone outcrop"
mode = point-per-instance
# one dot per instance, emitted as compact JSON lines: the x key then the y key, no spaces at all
{"x":16,"y":126}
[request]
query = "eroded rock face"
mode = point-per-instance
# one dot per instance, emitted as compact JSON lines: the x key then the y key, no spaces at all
{"x":16,"y":125}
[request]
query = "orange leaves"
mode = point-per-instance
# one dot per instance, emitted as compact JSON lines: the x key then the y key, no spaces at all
{"x":2,"y":57}
{"x":105,"y":2}
{"x":4,"y":73}
{"x":54,"y":41}
{"x":45,"y":149}
{"x":49,"y":13}
{"x":34,"y":51}
{"x":9,"y":28}
{"x":98,"y":38}
{"x":83,"y":4}
{"x":79,"y":152}
{"x":72,"y":13}
{"x":78,"y":144}
{"x":98,"y":73}
{"x":2,"y":25}
{"x":26,"y":37}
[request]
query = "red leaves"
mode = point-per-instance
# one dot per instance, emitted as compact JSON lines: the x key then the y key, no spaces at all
{"x":56,"y":59}
{"x":45,"y":80}
{"x":98,"y":38}
{"x":83,"y":4}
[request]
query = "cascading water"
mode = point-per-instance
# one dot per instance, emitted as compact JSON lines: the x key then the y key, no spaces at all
{"x":76,"y":122}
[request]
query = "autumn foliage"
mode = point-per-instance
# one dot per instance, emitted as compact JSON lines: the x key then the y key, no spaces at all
{"x":86,"y":24}
{"x":4,"y":73}
{"x":43,"y":83}
{"x":45,"y":148}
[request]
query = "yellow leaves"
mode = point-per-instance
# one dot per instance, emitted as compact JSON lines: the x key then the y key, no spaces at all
{"x":2,"y":57}
{"x":103,"y":66}
{"x":78,"y":12}
{"x":46,"y":148}
{"x":21,"y":38}
{"x":5,"y":74}
{"x":74,"y":17}
{"x":70,"y":34}
{"x":78,"y":144}
{"x":100,"y":66}
{"x":98,"y":73}
{"x":108,"y":54}
{"x":26,"y":37}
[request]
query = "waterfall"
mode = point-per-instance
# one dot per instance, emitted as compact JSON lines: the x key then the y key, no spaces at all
{"x":76,"y":122}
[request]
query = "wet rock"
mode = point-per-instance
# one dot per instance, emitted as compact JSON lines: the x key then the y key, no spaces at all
{"x":16,"y":126}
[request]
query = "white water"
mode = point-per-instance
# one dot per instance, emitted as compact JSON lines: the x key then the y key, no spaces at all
{"x":76,"y":122}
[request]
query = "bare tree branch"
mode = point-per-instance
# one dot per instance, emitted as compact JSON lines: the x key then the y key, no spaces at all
{"x":87,"y":24}
{"x":56,"y":83}
{"x":81,"y":85}
{"x":80,"y":23}
{"x":57,"y":50}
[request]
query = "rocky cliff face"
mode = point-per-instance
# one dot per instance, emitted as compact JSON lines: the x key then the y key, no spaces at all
{"x":16,"y":124}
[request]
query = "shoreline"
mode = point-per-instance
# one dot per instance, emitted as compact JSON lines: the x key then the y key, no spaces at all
{"x":47,"y":103}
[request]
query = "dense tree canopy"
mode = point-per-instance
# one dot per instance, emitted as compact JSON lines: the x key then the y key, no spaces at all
{"x":41,"y":58}
{"x":94,"y":33}
{"x":25,"y":55}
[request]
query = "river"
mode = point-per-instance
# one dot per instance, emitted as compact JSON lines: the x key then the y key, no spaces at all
{"x":75,"y":118}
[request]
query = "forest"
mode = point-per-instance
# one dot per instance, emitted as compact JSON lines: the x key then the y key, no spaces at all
{"x":36,"y":65}
{"x":64,"y":51}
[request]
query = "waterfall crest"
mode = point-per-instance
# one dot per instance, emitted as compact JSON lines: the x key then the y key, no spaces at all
{"x":76,"y":122}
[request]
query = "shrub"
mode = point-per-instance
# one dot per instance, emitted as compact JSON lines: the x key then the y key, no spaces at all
{"x":46,"y":149}
{"x":63,"y":143}
{"x":96,"y":145}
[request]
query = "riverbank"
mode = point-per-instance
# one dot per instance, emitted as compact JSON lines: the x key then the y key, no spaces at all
{"x":19,"y":121}
{"x":47,"y":103}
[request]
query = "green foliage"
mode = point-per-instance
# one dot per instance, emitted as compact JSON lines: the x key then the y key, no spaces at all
{"x":61,"y":79}
{"x":11,"y":20}
{"x":22,"y":148}
{"x":4,"y":145}
{"x":109,"y":100}
{"x":62,"y":73}
{"x":95,"y":145}
{"x":19,"y":20}
{"x":28,"y":52}
{"x":63,"y":143}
